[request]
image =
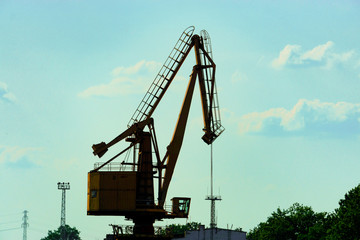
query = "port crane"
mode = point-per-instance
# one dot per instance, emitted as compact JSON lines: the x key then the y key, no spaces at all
{"x":130,"y":193}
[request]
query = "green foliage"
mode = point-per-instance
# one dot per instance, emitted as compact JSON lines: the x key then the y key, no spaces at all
{"x":346,"y":222}
{"x":301,"y":222}
{"x":179,"y":229}
{"x":295,"y":222}
{"x":69,"y":233}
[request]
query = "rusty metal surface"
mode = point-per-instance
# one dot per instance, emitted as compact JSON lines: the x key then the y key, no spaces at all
{"x":111,"y":192}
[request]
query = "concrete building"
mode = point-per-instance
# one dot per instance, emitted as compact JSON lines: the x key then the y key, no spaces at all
{"x":218,"y":234}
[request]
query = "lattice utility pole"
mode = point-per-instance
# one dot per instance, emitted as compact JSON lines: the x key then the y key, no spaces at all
{"x":24,"y":225}
{"x":63,"y":186}
{"x":212,"y":198}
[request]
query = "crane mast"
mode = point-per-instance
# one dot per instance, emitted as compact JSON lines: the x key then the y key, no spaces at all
{"x":131,"y":193}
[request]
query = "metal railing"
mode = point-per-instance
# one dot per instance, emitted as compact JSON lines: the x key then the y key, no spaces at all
{"x":113,"y":167}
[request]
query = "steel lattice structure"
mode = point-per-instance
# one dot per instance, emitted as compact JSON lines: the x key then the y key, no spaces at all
{"x":63,"y":186}
{"x":25,"y":224}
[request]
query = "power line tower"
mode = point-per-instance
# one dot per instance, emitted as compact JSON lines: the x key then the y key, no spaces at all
{"x":25,"y":224}
{"x":212,"y":198}
{"x":63,"y":186}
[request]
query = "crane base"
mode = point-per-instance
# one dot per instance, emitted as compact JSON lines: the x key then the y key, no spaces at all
{"x":140,"y":237}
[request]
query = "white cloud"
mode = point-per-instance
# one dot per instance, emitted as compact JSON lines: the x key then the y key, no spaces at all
{"x":305,"y":117}
{"x":127,"y":80}
{"x":338,"y":58}
{"x":148,"y":65}
{"x":285,"y":55}
{"x":238,"y":77}
{"x":5,"y":94}
{"x":318,"y":52}
{"x":15,"y":154}
{"x":3,"y":86}
{"x":254,"y":122}
{"x":118,"y":86}
{"x":293,"y":55}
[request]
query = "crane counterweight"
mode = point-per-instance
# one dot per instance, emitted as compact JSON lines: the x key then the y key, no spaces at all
{"x":99,"y":149}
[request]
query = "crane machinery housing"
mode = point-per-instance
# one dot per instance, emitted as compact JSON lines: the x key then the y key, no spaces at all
{"x":129,"y":190}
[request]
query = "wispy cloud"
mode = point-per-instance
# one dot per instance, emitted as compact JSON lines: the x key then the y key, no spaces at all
{"x":238,"y":77}
{"x":305,"y":118}
{"x":126,"y":80}
{"x":317,"y":53}
{"x":17,"y":157}
{"x":323,"y":55}
{"x":5,"y":94}
{"x":146,"y":66}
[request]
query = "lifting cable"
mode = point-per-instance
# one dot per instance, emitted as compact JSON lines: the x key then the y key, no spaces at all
{"x":211,"y":173}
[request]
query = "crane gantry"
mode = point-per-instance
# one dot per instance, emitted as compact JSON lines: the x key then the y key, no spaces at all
{"x":130,"y":193}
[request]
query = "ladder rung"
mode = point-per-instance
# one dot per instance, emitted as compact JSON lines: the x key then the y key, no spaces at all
{"x":179,"y":51}
{"x":143,"y":113}
{"x":174,"y":60}
{"x":169,"y":69}
{"x":151,"y":94}
{"x":163,"y":77}
{"x":183,"y":41}
{"x":159,"y":86}
{"x":187,"y":34}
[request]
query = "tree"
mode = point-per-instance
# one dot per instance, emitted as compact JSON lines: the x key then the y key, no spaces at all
{"x":347,"y":217}
{"x":320,"y":230}
{"x":179,"y":229}
{"x":297,"y":222}
{"x":69,"y":233}
{"x":301,"y":222}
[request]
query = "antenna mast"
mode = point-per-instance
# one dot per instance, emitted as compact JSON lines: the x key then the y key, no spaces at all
{"x":212,"y":198}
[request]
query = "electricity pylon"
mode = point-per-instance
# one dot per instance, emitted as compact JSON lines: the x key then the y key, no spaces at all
{"x":24,"y":225}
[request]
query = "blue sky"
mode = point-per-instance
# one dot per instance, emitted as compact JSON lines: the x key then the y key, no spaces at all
{"x":73,"y":72}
